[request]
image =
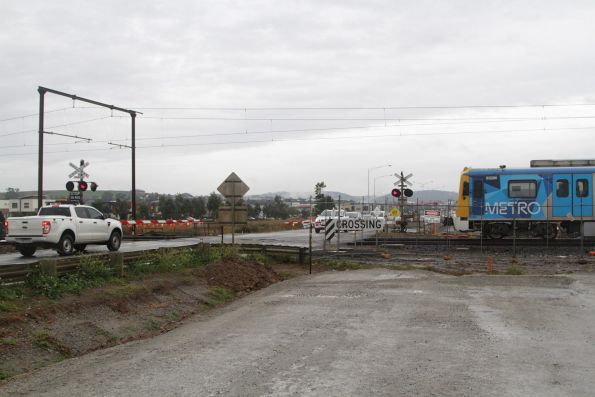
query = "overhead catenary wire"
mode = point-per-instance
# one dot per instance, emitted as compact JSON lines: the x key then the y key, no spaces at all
{"x":290,"y":131}
{"x":400,"y":134}
{"x":56,"y":126}
{"x":24,"y":116}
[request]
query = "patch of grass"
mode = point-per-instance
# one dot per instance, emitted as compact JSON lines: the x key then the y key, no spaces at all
{"x":342,"y":264}
{"x":9,"y":341}
{"x":42,"y":339}
{"x":6,"y":373}
{"x":218,"y":295}
{"x":260,"y":258}
{"x":92,"y":273}
{"x":181,"y":259}
{"x":174,"y":317}
{"x":153,"y":325}
{"x":8,"y":307}
{"x":11,"y":292}
{"x":514,"y":270}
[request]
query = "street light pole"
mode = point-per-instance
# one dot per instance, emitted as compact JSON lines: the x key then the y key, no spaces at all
{"x":370,"y":169}
{"x":378,"y":177}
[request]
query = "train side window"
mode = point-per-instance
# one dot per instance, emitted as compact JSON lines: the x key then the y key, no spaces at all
{"x":562,"y":188}
{"x":465,"y":188}
{"x":522,"y":189}
{"x":477,"y":189}
{"x":582,"y":188}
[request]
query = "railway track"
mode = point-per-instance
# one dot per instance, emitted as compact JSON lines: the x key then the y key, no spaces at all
{"x":477,"y":242}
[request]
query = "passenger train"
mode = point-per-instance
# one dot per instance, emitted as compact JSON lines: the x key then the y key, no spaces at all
{"x":540,"y":200}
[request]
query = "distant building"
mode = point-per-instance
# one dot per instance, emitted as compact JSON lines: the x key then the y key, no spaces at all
{"x":26,"y":205}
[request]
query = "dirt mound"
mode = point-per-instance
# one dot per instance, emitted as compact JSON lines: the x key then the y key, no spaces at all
{"x":239,"y":276}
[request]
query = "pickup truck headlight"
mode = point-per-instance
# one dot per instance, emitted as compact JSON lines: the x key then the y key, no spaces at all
{"x":46,"y":226}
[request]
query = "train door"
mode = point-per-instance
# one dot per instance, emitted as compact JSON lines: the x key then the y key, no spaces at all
{"x":582,"y":198}
{"x":562,"y":197}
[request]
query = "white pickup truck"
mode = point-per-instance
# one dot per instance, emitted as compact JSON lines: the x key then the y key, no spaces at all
{"x":66,"y":228}
{"x":325,"y":215}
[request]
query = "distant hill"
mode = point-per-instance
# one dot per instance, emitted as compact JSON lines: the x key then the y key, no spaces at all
{"x":422,"y":196}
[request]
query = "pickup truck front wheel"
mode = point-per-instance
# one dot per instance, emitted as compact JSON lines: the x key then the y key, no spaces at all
{"x":26,"y":250}
{"x":66,"y":245}
{"x":115,"y":240}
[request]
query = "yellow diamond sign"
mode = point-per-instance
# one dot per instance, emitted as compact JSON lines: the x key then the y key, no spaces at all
{"x":394,"y":212}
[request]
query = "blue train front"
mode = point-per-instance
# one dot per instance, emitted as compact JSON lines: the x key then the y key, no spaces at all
{"x":538,"y":200}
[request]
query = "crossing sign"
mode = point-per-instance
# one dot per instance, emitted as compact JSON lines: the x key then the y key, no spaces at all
{"x":79,"y":172}
{"x":404,"y":180}
{"x":330,"y":228}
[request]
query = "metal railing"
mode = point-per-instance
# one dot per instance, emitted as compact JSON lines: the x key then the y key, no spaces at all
{"x":120,"y":260}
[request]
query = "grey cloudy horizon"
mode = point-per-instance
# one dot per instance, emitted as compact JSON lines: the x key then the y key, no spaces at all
{"x":249,"y":86}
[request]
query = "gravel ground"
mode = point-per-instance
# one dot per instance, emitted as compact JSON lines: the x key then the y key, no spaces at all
{"x":365,"y":332}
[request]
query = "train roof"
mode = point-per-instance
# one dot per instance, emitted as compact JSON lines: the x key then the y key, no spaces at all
{"x":534,"y":170}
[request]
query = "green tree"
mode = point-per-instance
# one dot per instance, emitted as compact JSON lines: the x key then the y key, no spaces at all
{"x":122,"y":208}
{"x":277,"y":209}
{"x":144,"y":211}
{"x":168,"y":208}
{"x":199,"y":208}
{"x":254,"y":210}
{"x":213,"y":203}
{"x":322,"y":202}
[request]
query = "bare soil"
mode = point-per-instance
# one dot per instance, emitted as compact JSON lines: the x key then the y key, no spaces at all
{"x":43,"y":331}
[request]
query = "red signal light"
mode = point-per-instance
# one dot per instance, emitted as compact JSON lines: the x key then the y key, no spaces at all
{"x":395,"y":193}
{"x":82,"y":186}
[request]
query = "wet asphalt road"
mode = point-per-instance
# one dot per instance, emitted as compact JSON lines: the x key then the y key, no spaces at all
{"x":297,"y":237}
{"x":374,"y":332}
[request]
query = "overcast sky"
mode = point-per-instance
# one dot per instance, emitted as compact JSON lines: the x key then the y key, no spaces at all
{"x":287,"y":94}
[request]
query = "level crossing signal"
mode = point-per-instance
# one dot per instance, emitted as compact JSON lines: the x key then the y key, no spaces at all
{"x":82,"y":186}
{"x":397,"y":193}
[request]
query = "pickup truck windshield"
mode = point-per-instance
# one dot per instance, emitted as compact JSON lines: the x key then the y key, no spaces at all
{"x":55,"y":211}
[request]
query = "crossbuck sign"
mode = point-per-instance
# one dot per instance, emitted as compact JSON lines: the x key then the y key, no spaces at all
{"x":332,"y":226}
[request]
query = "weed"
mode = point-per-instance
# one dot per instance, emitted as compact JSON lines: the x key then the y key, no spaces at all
{"x":218,"y":295}
{"x":514,"y":270}
{"x":42,"y":339}
{"x":10,"y":292}
{"x":260,"y":258}
{"x":153,"y":325}
{"x":6,"y":373}
{"x":342,"y":264}
{"x":8,"y":341}
{"x":95,"y":270}
{"x":174,"y":316}
{"x":44,"y":284}
{"x":7,"y":307}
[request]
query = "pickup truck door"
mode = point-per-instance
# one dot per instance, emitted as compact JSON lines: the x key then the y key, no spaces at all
{"x":84,"y":226}
{"x":98,"y":225}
